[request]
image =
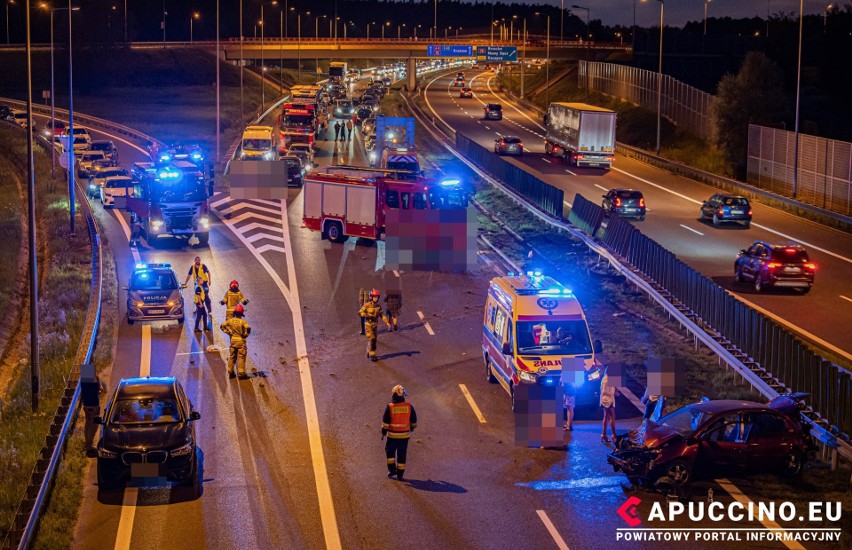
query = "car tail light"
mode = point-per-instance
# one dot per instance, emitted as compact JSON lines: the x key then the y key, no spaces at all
{"x":773,"y":265}
{"x":617,"y":202}
{"x":580,"y":157}
{"x":720,"y":212}
{"x":521,"y":144}
{"x":642,"y":203}
{"x":811,"y":266}
{"x":749,"y":212}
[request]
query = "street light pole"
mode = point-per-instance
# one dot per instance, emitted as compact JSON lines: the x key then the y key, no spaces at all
{"x":705,"y":16}
{"x":798,"y":97}
{"x":71,"y":158}
{"x":562,"y":20}
{"x":281,"y":50}
{"x":195,"y":16}
{"x":633,"y":48}
{"x":435,"y":24}
{"x":35,"y":367}
{"x":262,"y":63}
{"x":547,"y":68}
{"x":52,"y":104}
{"x":218,"y":105}
{"x":164,"y":23}
{"x":524,"y":61}
{"x":242,"y":104}
{"x":660,"y":77}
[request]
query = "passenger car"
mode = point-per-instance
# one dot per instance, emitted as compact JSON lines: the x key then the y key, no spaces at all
{"x":148,"y":430}
{"x":113,"y":187}
{"x":509,"y":145}
{"x":108,"y":148}
{"x":295,"y":170}
{"x":54,"y":128}
{"x":628,"y":203}
{"x":304,"y":153}
{"x":98,"y":177}
{"x":372,"y":104}
{"x":767,"y":265}
{"x":493,"y":111}
{"x":20,"y":117}
{"x":706,"y":439}
{"x":153,"y":294}
{"x":79,"y":132}
{"x":722,"y":207}
{"x":5,"y":112}
{"x":343,"y":108}
{"x":466,"y":91}
{"x":86,"y":162}
{"x":458,"y":82}
{"x":368,"y":125}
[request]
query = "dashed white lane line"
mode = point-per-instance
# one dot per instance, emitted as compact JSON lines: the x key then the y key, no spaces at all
{"x":568,"y":204}
{"x":396,"y":273}
{"x":472,"y":403}
{"x":546,"y":160}
{"x":557,"y":538}
{"x":570,"y":172}
{"x":487,"y":127}
{"x":693,"y":230}
{"x":601,"y":187}
{"x":426,"y":323}
{"x":738,"y":495}
{"x":846,"y":298}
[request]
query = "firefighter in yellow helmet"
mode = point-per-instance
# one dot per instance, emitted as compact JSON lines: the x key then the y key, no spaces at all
{"x":233,"y":296}
{"x":238,"y":329}
{"x":398,"y":422}
{"x":371,"y":312}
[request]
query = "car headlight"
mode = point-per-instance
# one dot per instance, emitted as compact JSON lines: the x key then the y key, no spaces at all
{"x":156,"y":224}
{"x":242,"y":154}
{"x":205,"y":222}
{"x":183,"y":451}
{"x":526,"y":376}
{"x":372,"y":157}
{"x":267,"y":155}
{"x":140,"y":304}
{"x":103,"y":453}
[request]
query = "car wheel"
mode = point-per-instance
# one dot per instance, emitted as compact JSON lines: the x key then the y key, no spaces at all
{"x":746,"y":224}
{"x":700,"y":213}
{"x":548,"y":150}
{"x":489,"y":372}
{"x":130,"y":321}
{"x":793,"y":464}
{"x":605,"y":211}
{"x":512,"y":394}
{"x":642,"y":218}
{"x":335,"y":232}
{"x":758,"y":283}
{"x":715,"y":219}
{"x":679,"y":471}
{"x":738,"y":274}
{"x":806,"y":290}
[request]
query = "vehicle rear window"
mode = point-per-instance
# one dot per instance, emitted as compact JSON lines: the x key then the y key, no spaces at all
{"x":789,"y":255}
{"x":635,"y":195}
{"x":735,"y":201}
{"x":495,"y":107}
{"x":118,"y":184}
{"x":512,"y":140}
{"x":147,"y":280}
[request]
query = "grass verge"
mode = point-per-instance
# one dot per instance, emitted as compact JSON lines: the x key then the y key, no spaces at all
{"x":11,"y":210}
{"x":63,"y":299}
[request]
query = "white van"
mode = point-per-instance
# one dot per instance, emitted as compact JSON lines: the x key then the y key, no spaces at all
{"x":532,"y":324}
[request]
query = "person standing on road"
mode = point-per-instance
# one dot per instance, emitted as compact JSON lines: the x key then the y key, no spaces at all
{"x":393,"y":303}
{"x":233,"y":298}
{"x":342,"y":131}
{"x":238,"y":330}
{"x":90,"y":396}
{"x":201,"y":275}
{"x":568,"y":406}
{"x":371,"y":312}
{"x":398,"y":421}
{"x":608,"y":395}
{"x":348,"y":129}
{"x":200,"y":311}
{"x":363,"y":298}
{"x":336,"y":130}
{"x":135,"y":230}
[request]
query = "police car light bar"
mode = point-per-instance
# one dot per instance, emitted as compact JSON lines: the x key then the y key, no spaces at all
{"x":168,"y":174}
{"x":450,"y":182}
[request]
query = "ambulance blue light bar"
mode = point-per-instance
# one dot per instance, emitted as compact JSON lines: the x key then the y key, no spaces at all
{"x":168,"y":174}
{"x":450,"y":183}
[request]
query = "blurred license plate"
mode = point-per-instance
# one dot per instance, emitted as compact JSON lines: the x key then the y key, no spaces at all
{"x":156,"y":312}
{"x":738,"y":212}
{"x":791,"y":270}
{"x":144,"y":470}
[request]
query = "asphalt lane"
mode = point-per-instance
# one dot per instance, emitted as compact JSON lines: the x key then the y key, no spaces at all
{"x":673,"y":204}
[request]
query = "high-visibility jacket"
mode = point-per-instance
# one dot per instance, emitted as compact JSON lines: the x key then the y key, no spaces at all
{"x":199,"y":271}
{"x":199,"y":298}
{"x":237,"y":328}
{"x":399,"y":419}
{"x":232,"y":298}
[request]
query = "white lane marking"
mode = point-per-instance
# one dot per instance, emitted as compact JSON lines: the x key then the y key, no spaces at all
{"x":191,"y":353}
{"x":429,"y":103}
{"x":268,"y":247}
{"x":242,"y":205}
{"x":781,"y":321}
{"x":426,"y":323}
{"x":846,"y":298}
{"x":480,"y":122}
{"x":254,"y":225}
{"x":255,"y":216}
{"x":765,"y":228}
{"x":125,"y":522}
{"x":487,"y":127}
{"x":568,"y":203}
{"x":601,"y":187}
{"x":570,"y":172}
{"x":472,"y":403}
{"x":396,"y":273}
{"x":557,"y":538}
{"x":738,"y":495}
{"x":546,"y":160}
{"x":261,"y":235}
{"x":693,"y":230}
{"x":326,"y":505}
{"x":126,"y":228}
{"x":131,"y":494}
{"x":632,"y":398}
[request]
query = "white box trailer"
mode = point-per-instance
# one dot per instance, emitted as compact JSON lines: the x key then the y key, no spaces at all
{"x":584,"y":135}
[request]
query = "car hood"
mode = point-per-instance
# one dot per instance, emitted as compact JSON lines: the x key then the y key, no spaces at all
{"x":147,"y":437}
{"x":652,"y":435}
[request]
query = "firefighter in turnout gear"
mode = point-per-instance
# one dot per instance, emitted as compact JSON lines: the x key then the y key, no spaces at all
{"x":233,"y":297}
{"x":398,"y":422}
{"x":371,"y":312}
{"x":238,"y":329}
{"x":363,"y":298}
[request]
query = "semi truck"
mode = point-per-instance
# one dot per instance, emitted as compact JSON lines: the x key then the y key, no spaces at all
{"x":343,"y":201}
{"x":170,"y":201}
{"x":337,"y":71}
{"x":584,"y":135}
{"x":297,"y":122}
{"x":259,"y":143}
{"x":394,"y":145}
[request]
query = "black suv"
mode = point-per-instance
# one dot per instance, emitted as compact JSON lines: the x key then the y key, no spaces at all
{"x":148,"y":431}
{"x":775,"y":265}
{"x":627,"y":203}
{"x":493,"y":111}
{"x":726,"y":208}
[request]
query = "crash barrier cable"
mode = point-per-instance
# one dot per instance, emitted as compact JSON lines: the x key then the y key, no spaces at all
{"x":776,"y":355}
{"x":32,"y":505}
{"x":545,"y":197}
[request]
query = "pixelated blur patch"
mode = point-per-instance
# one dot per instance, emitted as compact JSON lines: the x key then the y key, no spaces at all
{"x":430,"y":240}
{"x":573,"y":371}
{"x":255,"y":179}
{"x":614,"y":375}
{"x":666,"y":376}
{"x":538,"y":416}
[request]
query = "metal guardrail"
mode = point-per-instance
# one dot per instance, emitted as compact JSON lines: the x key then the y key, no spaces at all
{"x":714,"y":341}
{"x":29,"y":511}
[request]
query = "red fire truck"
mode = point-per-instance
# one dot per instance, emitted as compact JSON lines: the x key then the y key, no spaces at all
{"x":298,"y":124}
{"x":343,"y":201}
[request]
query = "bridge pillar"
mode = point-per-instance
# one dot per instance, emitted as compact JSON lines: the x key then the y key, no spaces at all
{"x":411,"y":74}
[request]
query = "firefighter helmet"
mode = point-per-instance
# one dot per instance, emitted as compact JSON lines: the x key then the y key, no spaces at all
{"x":398,"y":391}
{"x":234,"y":283}
{"x":239,"y":309}
{"x":375,"y":293}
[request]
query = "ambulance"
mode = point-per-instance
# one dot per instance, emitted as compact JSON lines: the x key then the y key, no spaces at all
{"x":532,"y":324}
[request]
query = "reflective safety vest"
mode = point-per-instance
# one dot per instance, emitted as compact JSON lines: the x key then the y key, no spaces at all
{"x":199,"y":271}
{"x":400,"y":420}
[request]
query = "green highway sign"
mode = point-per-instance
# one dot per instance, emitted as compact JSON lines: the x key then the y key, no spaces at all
{"x":497,"y":53}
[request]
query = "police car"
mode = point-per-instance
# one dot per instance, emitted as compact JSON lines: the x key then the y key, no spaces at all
{"x":154,"y":294}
